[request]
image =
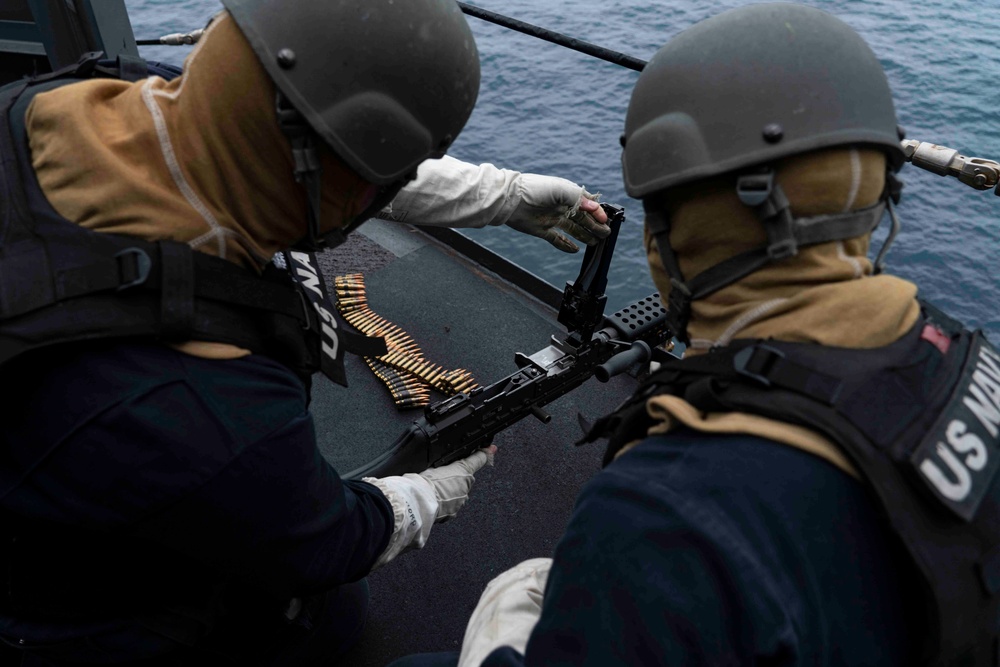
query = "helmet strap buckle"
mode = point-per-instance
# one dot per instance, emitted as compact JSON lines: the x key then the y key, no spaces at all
{"x":759,"y":191}
{"x":781,"y":235}
{"x":755,"y":189}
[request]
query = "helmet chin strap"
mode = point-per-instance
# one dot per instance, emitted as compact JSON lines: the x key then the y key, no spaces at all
{"x":305,"y":143}
{"x":308,"y":172}
{"x":785,"y":235}
{"x":893,"y":188}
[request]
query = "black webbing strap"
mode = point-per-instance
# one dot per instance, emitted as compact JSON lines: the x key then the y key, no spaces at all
{"x":176,"y":290}
{"x":129,"y":267}
{"x":785,"y":234}
{"x":727,"y":272}
{"x":760,"y":192}
{"x":658,"y":223}
{"x":223,"y":281}
{"x":770,"y":367}
{"x":765,"y":365}
{"x":137,"y":265}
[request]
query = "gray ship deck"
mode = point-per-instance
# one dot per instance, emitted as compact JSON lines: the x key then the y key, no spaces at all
{"x":462,"y":316}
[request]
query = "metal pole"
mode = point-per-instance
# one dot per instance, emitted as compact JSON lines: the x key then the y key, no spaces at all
{"x":492,"y":17}
{"x":555,"y":37}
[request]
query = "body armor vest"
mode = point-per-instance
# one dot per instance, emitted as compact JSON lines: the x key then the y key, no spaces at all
{"x":61,"y":283}
{"x":919,"y":418}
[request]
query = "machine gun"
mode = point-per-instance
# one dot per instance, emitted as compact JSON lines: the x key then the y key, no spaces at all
{"x":594,"y":345}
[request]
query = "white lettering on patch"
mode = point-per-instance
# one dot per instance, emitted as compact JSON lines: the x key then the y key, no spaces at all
{"x":956,"y":490}
{"x":985,"y":410}
{"x":955,"y":459}
{"x":962,"y":441}
{"x":308,"y":273}
{"x":311,"y":280}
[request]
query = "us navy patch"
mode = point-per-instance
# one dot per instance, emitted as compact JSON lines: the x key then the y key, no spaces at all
{"x":304,"y":269}
{"x":336,"y":335}
{"x":959,"y":458}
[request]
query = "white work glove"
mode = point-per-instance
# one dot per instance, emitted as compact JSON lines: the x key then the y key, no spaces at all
{"x":507,"y":612}
{"x":453,"y":193}
{"x":549,"y":204}
{"x":419,"y":501}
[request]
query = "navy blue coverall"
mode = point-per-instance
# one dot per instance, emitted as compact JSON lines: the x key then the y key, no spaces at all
{"x":698,"y":549}
{"x":153,"y":500}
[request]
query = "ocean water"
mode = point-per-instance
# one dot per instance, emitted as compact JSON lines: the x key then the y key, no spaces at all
{"x":545,"y":109}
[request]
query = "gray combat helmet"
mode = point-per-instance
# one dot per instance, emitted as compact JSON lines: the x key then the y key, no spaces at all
{"x":737,"y":92}
{"x":385,"y":83}
{"x":749,"y":86}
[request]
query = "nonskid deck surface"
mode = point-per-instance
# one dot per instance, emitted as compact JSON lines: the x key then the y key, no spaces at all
{"x":462,"y":317}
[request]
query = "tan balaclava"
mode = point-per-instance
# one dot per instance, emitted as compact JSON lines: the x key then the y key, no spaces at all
{"x":200,"y":159}
{"x":825,"y":294}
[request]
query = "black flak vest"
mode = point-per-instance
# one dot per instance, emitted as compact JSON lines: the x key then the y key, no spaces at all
{"x":61,"y":283}
{"x":919,"y":418}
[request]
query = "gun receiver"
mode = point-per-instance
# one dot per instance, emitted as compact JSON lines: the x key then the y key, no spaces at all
{"x":455,"y":427}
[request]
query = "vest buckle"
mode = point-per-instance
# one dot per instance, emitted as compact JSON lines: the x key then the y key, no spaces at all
{"x":134,"y":266}
{"x":757,"y":366}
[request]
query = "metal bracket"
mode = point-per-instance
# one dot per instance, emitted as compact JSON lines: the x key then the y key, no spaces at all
{"x":979,"y":173}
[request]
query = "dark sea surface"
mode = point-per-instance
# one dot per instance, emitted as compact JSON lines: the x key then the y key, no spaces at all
{"x":549,"y":110}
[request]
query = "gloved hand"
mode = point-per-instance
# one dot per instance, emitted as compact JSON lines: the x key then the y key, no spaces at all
{"x":549,"y":204}
{"x":419,"y":501}
{"x":507,"y":612}
{"x":453,"y":193}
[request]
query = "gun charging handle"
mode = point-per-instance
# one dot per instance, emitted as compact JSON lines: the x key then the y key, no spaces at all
{"x":637,"y":353}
